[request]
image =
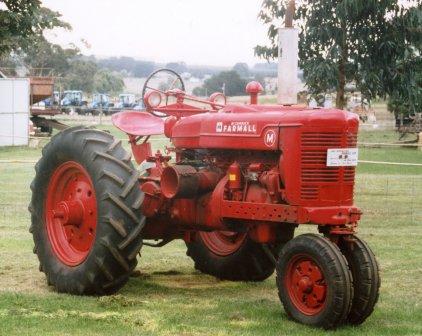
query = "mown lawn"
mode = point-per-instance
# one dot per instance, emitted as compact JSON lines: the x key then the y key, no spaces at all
{"x":171,"y":298}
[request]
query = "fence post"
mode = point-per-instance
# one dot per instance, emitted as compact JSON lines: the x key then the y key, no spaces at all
{"x":386,"y":197}
{"x":412,"y":204}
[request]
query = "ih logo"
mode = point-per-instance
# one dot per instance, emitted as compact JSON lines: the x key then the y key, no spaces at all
{"x":270,"y":138}
{"x":219,"y":127}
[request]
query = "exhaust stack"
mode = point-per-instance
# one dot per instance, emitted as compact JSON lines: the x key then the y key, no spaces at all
{"x":288,"y":57}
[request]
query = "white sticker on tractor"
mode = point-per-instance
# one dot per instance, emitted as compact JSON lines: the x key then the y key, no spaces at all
{"x":242,"y":127}
{"x":342,"y":157}
{"x":270,"y":138}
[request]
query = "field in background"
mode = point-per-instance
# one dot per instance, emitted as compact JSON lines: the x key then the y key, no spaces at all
{"x":171,"y":298}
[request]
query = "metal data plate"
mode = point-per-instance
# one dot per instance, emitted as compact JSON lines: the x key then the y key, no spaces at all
{"x":342,"y":157}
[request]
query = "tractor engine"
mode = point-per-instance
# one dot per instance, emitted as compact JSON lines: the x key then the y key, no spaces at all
{"x":190,"y":192}
{"x":277,"y":176}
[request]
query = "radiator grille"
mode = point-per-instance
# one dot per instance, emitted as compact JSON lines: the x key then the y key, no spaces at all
{"x":349,"y":174}
{"x":314,"y":171}
{"x":321,"y":139}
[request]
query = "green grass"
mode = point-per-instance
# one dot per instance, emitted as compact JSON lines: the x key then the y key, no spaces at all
{"x":171,"y":298}
{"x":382,"y":136}
{"x":387,"y":154}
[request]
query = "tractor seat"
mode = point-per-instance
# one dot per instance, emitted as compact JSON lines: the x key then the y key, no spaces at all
{"x":138,"y":123}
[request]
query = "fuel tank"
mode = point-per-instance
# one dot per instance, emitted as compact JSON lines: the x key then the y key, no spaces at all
{"x":255,"y":127}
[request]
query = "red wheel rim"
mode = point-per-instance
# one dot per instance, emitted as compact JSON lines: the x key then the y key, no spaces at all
{"x":223,"y":243}
{"x":71,"y":213}
{"x":305,"y":284}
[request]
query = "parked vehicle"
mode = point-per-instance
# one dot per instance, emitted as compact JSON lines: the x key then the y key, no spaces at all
{"x":126,"y":100}
{"x":52,"y":101}
{"x":73,"y":98}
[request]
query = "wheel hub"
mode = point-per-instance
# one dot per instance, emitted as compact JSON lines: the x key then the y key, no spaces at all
{"x":223,"y":243}
{"x":306,"y":285}
{"x":71,"y":213}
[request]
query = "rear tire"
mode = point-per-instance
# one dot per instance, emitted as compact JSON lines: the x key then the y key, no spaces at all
{"x":244,"y":260}
{"x":314,"y":282}
{"x":366,"y":279}
{"x":98,"y":261}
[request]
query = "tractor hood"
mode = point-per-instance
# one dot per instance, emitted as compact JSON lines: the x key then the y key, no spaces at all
{"x":255,"y":127}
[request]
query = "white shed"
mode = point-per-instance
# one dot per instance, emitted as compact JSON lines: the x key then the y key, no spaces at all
{"x":14,"y":111}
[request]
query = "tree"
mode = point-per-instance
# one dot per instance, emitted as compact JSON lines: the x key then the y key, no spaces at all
{"x":134,"y":67}
{"x":22,"y":21}
{"x":45,"y":55}
{"x":260,"y":78}
{"x":267,"y":69}
{"x":242,"y":69}
{"x":199,"y":91}
{"x":143,"y":68}
{"x":374,"y":44}
{"x":81,"y":76}
{"x":107,"y":82}
{"x":230,"y":80}
{"x":88,"y":77}
{"x":179,"y":67}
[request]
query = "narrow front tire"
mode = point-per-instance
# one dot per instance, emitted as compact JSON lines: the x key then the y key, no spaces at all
{"x":366,"y":278}
{"x":314,"y":282}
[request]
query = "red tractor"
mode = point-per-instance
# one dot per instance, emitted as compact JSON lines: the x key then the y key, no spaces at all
{"x":236,"y":182}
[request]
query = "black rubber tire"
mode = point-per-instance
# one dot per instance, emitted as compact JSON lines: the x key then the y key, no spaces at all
{"x":366,"y":279}
{"x":118,"y":240}
{"x":336,"y":273}
{"x":249,"y":263}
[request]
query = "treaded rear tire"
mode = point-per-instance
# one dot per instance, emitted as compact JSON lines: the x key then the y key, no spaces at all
{"x":366,"y":279}
{"x":249,"y":263}
{"x":118,"y":240}
{"x":337,"y":277}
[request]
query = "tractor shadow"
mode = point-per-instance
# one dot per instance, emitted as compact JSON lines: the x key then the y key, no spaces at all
{"x":244,"y":307}
{"x":247,"y":307}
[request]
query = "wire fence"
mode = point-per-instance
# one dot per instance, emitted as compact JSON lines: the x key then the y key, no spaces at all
{"x":393,"y":198}
{"x":396,"y":198}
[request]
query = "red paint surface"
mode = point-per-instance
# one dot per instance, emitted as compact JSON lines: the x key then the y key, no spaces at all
{"x":223,"y":243}
{"x":71,"y":213}
{"x":138,"y":123}
{"x":275,"y":155}
{"x":306,"y":285}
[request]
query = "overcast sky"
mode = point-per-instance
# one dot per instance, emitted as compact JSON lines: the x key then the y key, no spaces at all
{"x":213,"y":32}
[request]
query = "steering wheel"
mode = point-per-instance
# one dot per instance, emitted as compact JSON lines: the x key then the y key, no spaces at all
{"x":162,"y":80}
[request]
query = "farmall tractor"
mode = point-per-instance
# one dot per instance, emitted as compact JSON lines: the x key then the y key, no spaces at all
{"x":235,"y":183}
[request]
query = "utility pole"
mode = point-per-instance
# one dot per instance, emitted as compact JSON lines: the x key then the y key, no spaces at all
{"x":288,"y":58}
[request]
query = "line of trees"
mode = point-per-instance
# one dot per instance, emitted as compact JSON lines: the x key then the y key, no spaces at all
{"x":229,"y":82}
{"x":233,"y":82}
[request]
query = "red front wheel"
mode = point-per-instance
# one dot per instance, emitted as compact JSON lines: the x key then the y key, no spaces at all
{"x":306,"y":284}
{"x":314,"y":282}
